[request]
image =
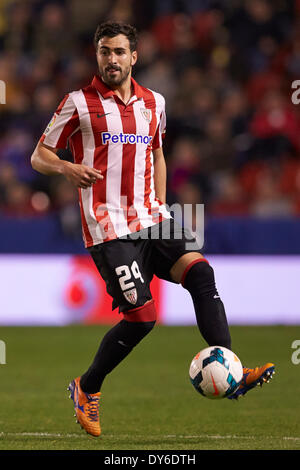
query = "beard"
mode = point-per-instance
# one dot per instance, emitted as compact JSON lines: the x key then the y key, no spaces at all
{"x":114,"y":79}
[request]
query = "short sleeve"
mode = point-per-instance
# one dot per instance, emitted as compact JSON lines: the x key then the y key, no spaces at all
{"x":161,"y":129}
{"x":63,"y":124}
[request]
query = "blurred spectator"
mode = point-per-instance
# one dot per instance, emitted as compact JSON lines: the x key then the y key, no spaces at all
{"x":220,"y":153}
{"x":121,"y":10}
{"x":230,"y":199}
{"x":225,"y":69}
{"x":159,"y":77}
{"x":147,"y":50}
{"x":186,"y":167}
{"x":292,"y":60}
{"x":235,"y":110}
{"x":290,"y":177}
{"x":83,"y":19}
{"x":203,"y":106}
{"x":257,"y":28}
{"x":268,"y":201}
{"x":44,"y":103}
{"x":7,"y":177}
{"x":18,"y":200}
{"x":275,"y":127}
{"x":17,"y":26}
{"x":52,"y":31}
{"x":16,"y":146}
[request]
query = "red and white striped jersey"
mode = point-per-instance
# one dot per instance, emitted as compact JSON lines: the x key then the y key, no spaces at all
{"x":117,"y":139}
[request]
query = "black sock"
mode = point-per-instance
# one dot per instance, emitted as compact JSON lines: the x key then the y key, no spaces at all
{"x":114,"y":347}
{"x":209,"y":308}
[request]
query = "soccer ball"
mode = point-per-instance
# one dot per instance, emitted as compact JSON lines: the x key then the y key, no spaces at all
{"x":216,"y":372}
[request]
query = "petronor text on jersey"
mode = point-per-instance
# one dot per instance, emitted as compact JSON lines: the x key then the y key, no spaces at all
{"x":125,"y":138}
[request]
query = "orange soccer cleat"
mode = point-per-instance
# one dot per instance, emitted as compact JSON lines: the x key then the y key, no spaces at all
{"x":253,"y":377}
{"x":86,"y":408}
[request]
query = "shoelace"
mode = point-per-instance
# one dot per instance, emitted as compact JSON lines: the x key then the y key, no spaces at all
{"x":250,"y":371}
{"x":93,"y":409}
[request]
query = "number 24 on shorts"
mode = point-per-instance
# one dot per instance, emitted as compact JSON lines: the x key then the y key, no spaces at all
{"x":125,"y":273}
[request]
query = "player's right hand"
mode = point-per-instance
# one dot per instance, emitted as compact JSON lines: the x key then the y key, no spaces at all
{"x":81,"y":176}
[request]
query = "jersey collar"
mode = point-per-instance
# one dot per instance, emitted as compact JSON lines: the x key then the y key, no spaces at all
{"x":106,"y":92}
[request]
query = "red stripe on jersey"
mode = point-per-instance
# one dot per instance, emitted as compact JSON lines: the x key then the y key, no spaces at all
{"x":128,"y":166}
{"x":62,"y":103}
{"x":100,"y":163}
{"x":67,"y":130}
{"x":148,"y":100}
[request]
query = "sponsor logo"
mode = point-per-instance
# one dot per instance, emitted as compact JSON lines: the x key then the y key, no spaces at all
{"x":121,"y":138}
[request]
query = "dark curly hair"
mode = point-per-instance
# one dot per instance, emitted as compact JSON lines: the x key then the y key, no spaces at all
{"x":111,"y":29}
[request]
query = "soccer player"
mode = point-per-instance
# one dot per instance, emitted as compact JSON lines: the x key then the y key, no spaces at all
{"x":115,"y":129}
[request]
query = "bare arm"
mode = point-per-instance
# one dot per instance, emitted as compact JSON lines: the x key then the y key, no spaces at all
{"x":45,"y":161}
{"x":160,"y":175}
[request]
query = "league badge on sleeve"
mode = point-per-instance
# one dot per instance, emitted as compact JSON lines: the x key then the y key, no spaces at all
{"x":50,"y":123}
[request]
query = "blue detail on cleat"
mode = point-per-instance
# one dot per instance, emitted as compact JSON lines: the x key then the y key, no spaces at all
{"x":244,"y":387}
{"x":71,"y":387}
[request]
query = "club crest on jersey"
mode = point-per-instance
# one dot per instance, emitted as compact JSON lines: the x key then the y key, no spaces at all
{"x":131,"y":296}
{"x":147,"y":114}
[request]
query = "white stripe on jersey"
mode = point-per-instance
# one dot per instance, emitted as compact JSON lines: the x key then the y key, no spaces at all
{"x":88,"y":143}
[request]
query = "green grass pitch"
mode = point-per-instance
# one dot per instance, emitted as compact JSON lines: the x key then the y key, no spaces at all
{"x":147,"y":402}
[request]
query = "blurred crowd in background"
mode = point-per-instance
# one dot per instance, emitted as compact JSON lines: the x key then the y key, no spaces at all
{"x":225,"y":68}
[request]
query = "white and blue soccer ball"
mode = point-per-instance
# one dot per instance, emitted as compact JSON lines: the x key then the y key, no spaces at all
{"x":216,"y":372}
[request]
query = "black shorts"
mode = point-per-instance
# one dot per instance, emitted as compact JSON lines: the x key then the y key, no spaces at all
{"x":127,"y":264}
